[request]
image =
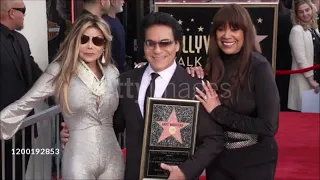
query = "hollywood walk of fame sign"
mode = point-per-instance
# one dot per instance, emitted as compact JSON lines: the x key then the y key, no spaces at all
{"x":169,"y":134}
{"x":196,"y":21}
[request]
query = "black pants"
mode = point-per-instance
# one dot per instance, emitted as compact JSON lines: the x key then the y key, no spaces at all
{"x":264,"y":171}
{"x":283,"y":88}
{"x":18,"y":158}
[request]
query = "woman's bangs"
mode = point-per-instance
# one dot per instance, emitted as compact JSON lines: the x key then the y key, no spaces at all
{"x":231,"y":17}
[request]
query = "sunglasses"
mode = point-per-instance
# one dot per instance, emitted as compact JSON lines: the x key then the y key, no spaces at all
{"x":22,"y":10}
{"x":97,"y":41}
{"x":161,"y":44}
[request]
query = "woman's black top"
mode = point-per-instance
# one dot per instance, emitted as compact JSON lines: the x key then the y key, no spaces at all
{"x":256,"y":112}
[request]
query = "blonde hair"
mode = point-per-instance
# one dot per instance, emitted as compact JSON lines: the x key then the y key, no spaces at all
{"x":296,"y":21}
{"x":68,"y":55}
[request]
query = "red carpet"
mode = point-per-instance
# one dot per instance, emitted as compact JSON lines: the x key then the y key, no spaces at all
{"x":298,"y":141}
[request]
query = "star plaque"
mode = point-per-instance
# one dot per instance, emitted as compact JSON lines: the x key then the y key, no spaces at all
{"x":169,"y":134}
{"x":171,"y":127}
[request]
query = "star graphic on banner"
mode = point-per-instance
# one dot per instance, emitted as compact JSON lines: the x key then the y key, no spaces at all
{"x":260,"y":20}
{"x":188,"y":29}
{"x":260,"y":38}
{"x":192,"y":20}
{"x":180,"y":22}
{"x":171,"y":127}
{"x":200,"y":29}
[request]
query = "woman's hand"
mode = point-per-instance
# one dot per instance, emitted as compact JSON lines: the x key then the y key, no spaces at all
{"x":64,"y":134}
{"x":314,"y":85}
{"x":196,"y":71}
{"x":209,"y":99}
{"x":139,"y":65}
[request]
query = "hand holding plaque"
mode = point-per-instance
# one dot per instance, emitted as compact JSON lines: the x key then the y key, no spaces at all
{"x":174,"y":171}
{"x":169,"y":136}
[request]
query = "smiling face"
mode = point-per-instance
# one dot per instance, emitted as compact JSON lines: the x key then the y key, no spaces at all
{"x":229,"y":39}
{"x":92,"y":45}
{"x":304,"y":13}
{"x":160,"y":47}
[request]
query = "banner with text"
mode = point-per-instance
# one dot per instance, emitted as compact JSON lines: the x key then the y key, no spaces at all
{"x":196,"y":21}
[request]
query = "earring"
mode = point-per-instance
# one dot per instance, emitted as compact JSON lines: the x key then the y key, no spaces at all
{"x":103,"y":60}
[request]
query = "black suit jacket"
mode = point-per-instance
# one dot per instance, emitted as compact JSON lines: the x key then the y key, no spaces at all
{"x":210,"y":138}
{"x":15,"y":81}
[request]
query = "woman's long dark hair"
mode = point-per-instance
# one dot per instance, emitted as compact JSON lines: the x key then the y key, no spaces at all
{"x":237,"y":17}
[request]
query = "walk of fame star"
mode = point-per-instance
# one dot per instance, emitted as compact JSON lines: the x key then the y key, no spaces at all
{"x":171,"y":127}
{"x":259,"y":38}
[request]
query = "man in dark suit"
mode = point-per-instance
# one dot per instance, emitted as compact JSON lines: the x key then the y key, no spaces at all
{"x":162,"y":36}
{"x":18,"y":72}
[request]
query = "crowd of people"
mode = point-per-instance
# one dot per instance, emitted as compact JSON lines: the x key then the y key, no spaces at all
{"x":89,"y":80}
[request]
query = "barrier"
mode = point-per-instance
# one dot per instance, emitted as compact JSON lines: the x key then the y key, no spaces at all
{"x":286,"y":72}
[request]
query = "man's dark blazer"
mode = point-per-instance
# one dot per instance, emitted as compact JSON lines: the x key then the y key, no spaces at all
{"x":16,"y":80}
{"x":210,"y":138}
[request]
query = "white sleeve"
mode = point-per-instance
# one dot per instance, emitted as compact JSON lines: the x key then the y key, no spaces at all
{"x":297,"y":45}
{"x":11,"y":117}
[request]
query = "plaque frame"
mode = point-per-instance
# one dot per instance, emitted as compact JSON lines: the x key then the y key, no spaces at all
{"x":147,"y":128}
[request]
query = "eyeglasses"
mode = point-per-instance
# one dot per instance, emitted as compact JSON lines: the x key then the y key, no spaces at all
{"x":161,"y":44}
{"x":98,"y":41}
{"x":22,"y":10}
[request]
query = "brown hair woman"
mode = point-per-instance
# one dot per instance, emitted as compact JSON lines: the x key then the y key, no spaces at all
{"x":242,"y":96}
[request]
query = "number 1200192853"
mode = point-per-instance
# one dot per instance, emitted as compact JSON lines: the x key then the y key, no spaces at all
{"x":35,"y":151}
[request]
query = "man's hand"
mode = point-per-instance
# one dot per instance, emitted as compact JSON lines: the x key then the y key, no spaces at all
{"x":175,"y":172}
{"x":64,"y":134}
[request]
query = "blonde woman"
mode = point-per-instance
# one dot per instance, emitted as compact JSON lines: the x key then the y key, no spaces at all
{"x":85,"y":85}
{"x":304,"y":42}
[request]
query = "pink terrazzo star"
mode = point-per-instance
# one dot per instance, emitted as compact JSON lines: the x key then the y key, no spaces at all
{"x":171,"y":127}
